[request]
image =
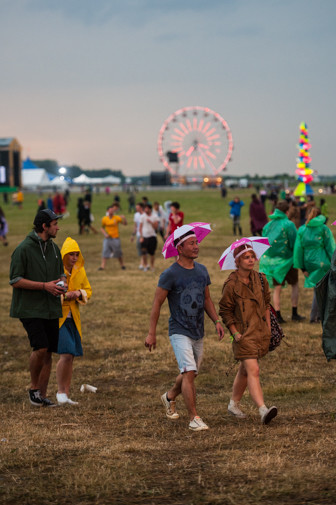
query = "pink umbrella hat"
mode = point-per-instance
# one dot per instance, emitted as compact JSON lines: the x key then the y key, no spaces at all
{"x":201,"y":230}
{"x":258,"y":244}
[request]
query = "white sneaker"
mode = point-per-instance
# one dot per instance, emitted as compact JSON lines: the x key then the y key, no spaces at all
{"x":71,"y":402}
{"x":269,"y":415}
{"x":170,"y":407}
{"x":62,"y":399}
{"x":235,"y":411}
{"x":197,"y":424}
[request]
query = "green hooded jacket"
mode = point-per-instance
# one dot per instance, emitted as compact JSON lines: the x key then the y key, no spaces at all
{"x":326,"y":299}
{"x":313,"y":250}
{"x":278,"y":259}
{"x":39,"y":261}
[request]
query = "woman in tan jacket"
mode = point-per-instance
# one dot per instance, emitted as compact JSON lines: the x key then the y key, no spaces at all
{"x":244,"y":308}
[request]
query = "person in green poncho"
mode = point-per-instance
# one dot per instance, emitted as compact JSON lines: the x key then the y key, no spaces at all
{"x":324,"y":209}
{"x":277,"y":261}
{"x":313,"y":250}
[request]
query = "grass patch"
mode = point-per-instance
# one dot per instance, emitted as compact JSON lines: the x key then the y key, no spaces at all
{"x":117,"y":446}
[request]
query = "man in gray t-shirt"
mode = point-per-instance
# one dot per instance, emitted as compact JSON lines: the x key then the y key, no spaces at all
{"x":186,"y":285}
{"x":186,"y":296}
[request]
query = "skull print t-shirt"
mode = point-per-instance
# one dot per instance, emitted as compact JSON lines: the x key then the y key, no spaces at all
{"x":186,"y":298}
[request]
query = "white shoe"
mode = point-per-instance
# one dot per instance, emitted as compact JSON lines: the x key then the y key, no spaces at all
{"x":62,"y":399}
{"x":71,"y":402}
{"x":269,"y":415}
{"x":197,"y":424}
{"x":235,"y":411}
{"x":170,"y":406}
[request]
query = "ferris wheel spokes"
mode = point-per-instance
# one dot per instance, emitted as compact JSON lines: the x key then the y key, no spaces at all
{"x":195,"y":139}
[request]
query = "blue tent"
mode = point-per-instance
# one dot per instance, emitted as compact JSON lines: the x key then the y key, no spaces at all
{"x":27,"y":163}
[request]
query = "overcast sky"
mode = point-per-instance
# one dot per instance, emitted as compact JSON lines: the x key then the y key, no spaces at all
{"x":90,"y":82}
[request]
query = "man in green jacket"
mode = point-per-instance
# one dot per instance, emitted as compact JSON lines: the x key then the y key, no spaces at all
{"x":36,"y":268}
{"x":277,"y":261}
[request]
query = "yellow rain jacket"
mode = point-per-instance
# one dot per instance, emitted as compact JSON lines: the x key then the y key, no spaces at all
{"x":76,"y":280}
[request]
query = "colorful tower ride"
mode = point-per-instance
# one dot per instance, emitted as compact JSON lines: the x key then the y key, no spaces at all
{"x":303,"y":163}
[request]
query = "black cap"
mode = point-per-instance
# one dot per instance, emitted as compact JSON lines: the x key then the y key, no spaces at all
{"x":45,"y":216}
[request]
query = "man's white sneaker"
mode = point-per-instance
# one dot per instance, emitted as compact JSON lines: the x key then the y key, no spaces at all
{"x":197,"y":424}
{"x":235,"y":411}
{"x":62,"y":399}
{"x":269,"y":415}
{"x":170,"y":407}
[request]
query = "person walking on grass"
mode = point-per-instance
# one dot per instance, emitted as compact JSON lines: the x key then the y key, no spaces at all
{"x":186,"y":285}
{"x":110,"y":230}
{"x":148,"y":226}
{"x":277,"y":261}
{"x":313,"y":250}
{"x":175,"y":218}
{"x":258,"y":217}
{"x":36,"y":268}
{"x":3,"y":228}
{"x":236,"y":204}
{"x":244,"y":308}
{"x":139,"y":208}
{"x":70,"y":331}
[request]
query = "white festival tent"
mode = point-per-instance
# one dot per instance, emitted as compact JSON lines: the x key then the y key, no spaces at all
{"x":111,"y":179}
{"x":84,"y":179}
{"x":35,"y":178}
{"x":58,"y":183}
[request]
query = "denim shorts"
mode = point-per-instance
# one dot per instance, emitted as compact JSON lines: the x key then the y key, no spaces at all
{"x":188,"y":352}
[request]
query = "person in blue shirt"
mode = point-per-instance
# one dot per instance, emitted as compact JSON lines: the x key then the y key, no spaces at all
{"x":236,"y":205}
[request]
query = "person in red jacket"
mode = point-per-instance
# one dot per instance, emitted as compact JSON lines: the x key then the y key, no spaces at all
{"x":59,"y":203}
{"x":175,"y":219}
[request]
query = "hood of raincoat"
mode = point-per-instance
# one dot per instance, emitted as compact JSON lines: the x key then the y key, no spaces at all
{"x":316,"y":221}
{"x":70,"y":245}
{"x":278,"y":214}
{"x":313,"y":250}
{"x":77,"y":280}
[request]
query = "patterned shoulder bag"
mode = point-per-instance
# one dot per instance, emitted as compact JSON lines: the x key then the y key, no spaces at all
{"x":276,"y":331}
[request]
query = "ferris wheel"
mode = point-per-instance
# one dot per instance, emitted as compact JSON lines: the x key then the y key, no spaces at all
{"x":195,"y":140}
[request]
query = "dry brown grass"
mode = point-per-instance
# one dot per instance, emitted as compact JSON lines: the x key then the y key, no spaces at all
{"x":117,"y":446}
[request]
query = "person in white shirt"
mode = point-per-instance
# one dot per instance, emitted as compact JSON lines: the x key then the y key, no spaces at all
{"x":149,"y":223}
{"x":162,"y":217}
{"x":136,"y":231}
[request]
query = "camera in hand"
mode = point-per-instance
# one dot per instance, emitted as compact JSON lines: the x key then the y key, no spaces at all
{"x":60,"y":284}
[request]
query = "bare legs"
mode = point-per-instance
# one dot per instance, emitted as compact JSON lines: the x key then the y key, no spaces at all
{"x":145,"y":261}
{"x":185,"y":384}
{"x":40,"y":367}
{"x":294,"y":296}
{"x":248,"y":376}
{"x":64,"y":373}
{"x":103,"y":262}
{"x":276,"y":297}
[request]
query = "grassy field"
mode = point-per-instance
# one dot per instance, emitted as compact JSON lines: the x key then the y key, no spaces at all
{"x":117,"y":446}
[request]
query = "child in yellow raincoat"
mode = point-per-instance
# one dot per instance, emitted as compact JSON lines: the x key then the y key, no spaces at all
{"x":70,"y":333}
